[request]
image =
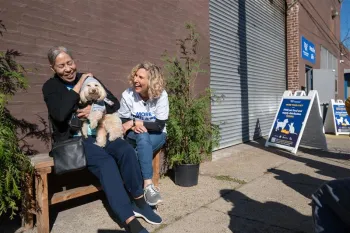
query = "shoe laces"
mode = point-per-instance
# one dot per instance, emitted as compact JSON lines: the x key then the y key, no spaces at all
{"x":153,"y":190}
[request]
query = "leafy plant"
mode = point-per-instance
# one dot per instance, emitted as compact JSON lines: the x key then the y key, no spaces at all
{"x":191,"y":136}
{"x":14,"y":165}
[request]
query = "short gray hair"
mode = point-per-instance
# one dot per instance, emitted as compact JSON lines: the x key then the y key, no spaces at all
{"x":55,"y":51}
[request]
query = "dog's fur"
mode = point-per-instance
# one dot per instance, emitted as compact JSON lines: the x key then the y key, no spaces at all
{"x":281,"y":124}
{"x":105,"y":123}
{"x":340,"y":120}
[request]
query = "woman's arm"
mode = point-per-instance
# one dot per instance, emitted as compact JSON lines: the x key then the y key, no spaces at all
{"x":61,"y":103}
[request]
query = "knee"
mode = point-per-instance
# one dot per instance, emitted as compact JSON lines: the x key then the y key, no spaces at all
{"x":143,"y":138}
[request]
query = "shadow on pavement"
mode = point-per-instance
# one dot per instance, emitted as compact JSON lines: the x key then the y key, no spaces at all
{"x":303,"y":184}
{"x":322,"y":168}
{"x":248,"y":215}
{"x":109,"y":231}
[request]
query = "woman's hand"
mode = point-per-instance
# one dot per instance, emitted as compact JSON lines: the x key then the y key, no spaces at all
{"x":127,"y":125}
{"x":84,"y":112}
{"x":139,"y":129}
{"x":78,"y":86}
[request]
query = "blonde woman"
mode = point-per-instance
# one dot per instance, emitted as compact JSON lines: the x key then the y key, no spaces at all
{"x":144,"y":111}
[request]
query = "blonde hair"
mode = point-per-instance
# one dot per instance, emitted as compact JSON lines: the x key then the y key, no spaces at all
{"x":156,"y":82}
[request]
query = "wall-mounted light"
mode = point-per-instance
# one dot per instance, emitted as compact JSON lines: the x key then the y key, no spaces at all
{"x":335,"y":13}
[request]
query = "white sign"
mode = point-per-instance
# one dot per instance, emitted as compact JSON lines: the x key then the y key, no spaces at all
{"x":337,"y":119}
{"x":291,"y":125}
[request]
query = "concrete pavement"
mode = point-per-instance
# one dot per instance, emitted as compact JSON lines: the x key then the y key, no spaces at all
{"x":252,"y":189}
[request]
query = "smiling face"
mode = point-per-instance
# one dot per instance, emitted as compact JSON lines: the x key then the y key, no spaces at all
{"x":65,"y":67}
{"x":141,"y":82}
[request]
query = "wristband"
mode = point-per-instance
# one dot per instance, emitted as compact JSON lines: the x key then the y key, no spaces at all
{"x":133,"y":122}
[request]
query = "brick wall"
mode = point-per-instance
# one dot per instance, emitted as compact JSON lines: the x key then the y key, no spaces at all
{"x":317,"y":25}
{"x":107,"y":38}
{"x":293,"y":51}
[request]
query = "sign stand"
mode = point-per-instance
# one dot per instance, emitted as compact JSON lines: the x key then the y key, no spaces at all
{"x":337,"y":119}
{"x":298,"y":121}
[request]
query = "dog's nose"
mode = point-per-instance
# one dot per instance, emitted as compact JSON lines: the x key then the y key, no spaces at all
{"x":93,"y":91}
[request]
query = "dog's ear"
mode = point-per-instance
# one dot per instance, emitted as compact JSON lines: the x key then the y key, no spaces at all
{"x":103,"y":93}
{"x":82,"y":96}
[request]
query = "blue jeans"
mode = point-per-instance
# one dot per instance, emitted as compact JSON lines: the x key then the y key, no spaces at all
{"x":115,"y":165}
{"x":146,"y":144}
{"x":331,"y":207}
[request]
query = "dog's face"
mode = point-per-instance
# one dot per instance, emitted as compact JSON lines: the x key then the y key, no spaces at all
{"x":91,"y":92}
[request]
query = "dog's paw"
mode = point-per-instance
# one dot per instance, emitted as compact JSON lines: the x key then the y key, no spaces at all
{"x":93,"y":124}
{"x":100,"y":144}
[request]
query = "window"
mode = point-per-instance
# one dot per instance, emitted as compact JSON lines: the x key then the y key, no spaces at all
{"x":330,"y":62}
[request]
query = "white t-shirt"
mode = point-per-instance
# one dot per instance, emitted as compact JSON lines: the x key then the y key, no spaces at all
{"x":132,"y":106}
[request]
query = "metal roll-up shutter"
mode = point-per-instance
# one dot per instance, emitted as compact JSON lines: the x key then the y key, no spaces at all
{"x":247,"y":66}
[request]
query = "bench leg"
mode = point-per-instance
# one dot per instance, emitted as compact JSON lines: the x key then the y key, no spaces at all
{"x":42,"y":215}
{"x":27,"y":205}
{"x":156,"y":168}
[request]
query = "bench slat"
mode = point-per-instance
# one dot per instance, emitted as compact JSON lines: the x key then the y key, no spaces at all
{"x":41,"y":161}
{"x":73,"y":193}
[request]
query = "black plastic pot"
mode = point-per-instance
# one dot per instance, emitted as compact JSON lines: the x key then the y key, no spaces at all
{"x":186,"y":175}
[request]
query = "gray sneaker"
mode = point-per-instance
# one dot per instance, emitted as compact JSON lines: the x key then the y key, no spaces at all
{"x":152,"y":195}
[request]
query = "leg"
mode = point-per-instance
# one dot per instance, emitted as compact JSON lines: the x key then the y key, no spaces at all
{"x":42,"y":215}
{"x":144,"y":153}
{"x":145,"y":156}
{"x":124,"y":155}
{"x":331,"y":207}
{"x":102,"y":165}
{"x":157,"y":140}
{"x":129,"y":167}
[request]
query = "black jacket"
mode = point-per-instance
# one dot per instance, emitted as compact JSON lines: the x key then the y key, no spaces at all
{"x":62,"y":103}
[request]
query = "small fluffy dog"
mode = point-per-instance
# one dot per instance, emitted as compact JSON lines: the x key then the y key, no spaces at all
{"x":281,"y":124}
{"x":92,"y":92}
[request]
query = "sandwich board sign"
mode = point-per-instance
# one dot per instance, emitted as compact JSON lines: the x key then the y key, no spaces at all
{"x":298,"y":121}
{"x":337,"y":119}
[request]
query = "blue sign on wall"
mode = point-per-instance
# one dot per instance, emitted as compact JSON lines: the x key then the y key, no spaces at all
{"x":290,"y":119}
{"x":308,"y":51}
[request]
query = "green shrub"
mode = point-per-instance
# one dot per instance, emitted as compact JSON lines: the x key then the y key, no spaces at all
{"x":14,"y":165}
{"x":190,"y":134}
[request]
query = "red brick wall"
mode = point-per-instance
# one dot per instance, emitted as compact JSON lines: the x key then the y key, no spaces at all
{"x":107,"y":38}
{"x":293,"y":51}
{"x":317,"y":25}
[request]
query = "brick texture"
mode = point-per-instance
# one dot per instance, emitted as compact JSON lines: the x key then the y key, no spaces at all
{"x":107,"y":38}
{"x":293,"y":51}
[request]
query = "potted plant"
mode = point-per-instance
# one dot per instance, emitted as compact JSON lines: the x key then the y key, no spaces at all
{"x":190,"y":134}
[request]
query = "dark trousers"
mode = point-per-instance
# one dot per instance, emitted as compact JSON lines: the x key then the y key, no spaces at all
{"x":116,"y":165}
{"x":331,"y":207}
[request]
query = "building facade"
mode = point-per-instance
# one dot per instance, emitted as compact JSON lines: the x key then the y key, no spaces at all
{"x":107,"y":38}
{"x":256,"y":50}
{"x":248,"y":66}
{"x":315,"y":60}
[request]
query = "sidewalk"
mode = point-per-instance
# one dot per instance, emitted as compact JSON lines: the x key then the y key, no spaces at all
{"x":253,"y":189}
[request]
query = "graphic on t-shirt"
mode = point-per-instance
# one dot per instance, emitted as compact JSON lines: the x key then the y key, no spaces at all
{"x":145,"y":116}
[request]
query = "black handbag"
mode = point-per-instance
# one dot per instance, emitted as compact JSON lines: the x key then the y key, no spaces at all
{"x":68,"y":155}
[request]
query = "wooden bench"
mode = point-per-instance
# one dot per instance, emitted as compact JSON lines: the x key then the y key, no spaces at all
{"x":39,"y":197}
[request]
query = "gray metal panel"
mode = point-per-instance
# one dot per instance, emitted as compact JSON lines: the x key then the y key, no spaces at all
{"x":247,"y":56}
{"x":324,"y":83}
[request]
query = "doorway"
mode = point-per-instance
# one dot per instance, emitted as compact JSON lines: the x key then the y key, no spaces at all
{"x":309,"y":82}
{"x":346,"y":85}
